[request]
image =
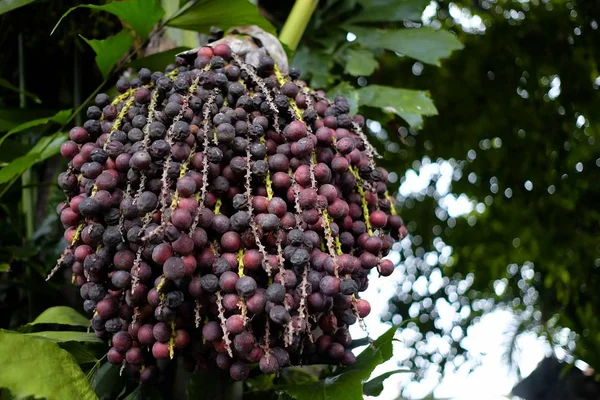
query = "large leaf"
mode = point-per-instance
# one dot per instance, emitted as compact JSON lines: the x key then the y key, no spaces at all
{"x":7,"y":85}
{"x":347,"y":385}
{"x":140,"y":15}
{"x":203,"y":14}
{"x":82,"y":352}
{"x":12,"y":117}
{"x":379,"y":351}
{"x":44,"y":149}
{"x":67,"y":336}
{"x":61,"y":315}
{"x":107,"y":382}
{"x":60,"y":118}
{"x":360,"y":62}
{"x":158,"y":61}
{"x":9,"y":5}
{"x":374,"y":387}
{"x":349,"y":92}
{"x":30,"y":366}
{"x":314,"y":65}
{"x":407,"y":103}
{"x":385,"y":10}
{"x":110,"y":50}
{"x":424,"y":44}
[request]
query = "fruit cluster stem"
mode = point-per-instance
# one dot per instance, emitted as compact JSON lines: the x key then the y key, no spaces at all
{"x":296,"y":23}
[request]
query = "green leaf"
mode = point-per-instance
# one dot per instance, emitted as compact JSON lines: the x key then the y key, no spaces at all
{"x":110,"y":50}
{"x":41,"y":369}
{"x":314,"y":65}
{"x":60,"y":118}
{"x":349,"y":92}
{"x":79,"y":351}
{"x":9,"y":5}
{"x":46,"y":147}
{"x":360,"y":62}
{"x":375,"y":385}
{"x":347,"y":385}
{"x":379,"y":351}
{"x":4,"y":267}
{"x":11,"y":117}
{"x":67,"y":336}
{"x":158,"y":61}
{"x":389,"y":11}
{"x":140,"y":15}
{"x":61,"y":315}
{"x":423,"y":44}
{"x":203,"y":14}
{"x":107,"y":382}
{"x":414,"y":120}
{"x":406,"y":103}
{"x":262,"y":382}
{"x":7,"y":85}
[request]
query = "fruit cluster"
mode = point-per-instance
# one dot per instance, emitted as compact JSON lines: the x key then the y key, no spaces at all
{"x":223,"y":213}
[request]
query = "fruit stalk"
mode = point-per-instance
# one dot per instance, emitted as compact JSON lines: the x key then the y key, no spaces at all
{"x":296,"y":23}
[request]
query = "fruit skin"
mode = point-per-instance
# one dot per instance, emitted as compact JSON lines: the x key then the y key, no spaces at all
{"x":194,"y":220}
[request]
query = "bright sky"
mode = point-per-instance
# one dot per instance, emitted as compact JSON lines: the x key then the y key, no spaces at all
{"x":486,"y":340}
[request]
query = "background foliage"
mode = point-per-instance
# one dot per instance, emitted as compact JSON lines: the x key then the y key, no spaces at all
{"x":515,"y":136}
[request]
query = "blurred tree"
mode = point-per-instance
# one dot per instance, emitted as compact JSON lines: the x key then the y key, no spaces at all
{"x":518,"y":125}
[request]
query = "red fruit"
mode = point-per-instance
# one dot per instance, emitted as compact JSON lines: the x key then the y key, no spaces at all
{"x":68,"y":217}
{"x":363,"y":307}
{"x":281,"y":180}
{"x":378,"y":219}
{"x":121,"y":341}
{"x":82,"y":251}
{"x":330,"y":121}
{"x":145,"y":335}
{"x":307,"y":198}
{"x":160,"y":350}
{"x":231,"y":241}
{"x":260,"y":204}
{"x":222,"y":50}
{"x":386,"y":267}
{"x":134,"y":356}
{"x":190,"y":264}
{"x":235,"y":324}
{"x":339,"y":164}
{"x":295,"y":131}
{"x":205,"y":51}
{"x":114,"y":356}
{"x":69,"y":149}
{"x":79,"y":135}
{"x":182,"y":338}
{"x":323,"y":343}
{"x":302,"y":175}
{"x":277,"y":206}
{"x":162,"y":253}
{"x":184,"y":245}
{"x":70,"y":234}
{"x":182,"y":219}
{"x":252,"y":259}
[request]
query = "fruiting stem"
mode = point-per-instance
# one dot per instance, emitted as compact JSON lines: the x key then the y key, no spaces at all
{"x":296,"y":23}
